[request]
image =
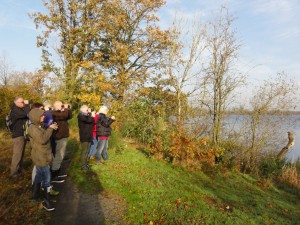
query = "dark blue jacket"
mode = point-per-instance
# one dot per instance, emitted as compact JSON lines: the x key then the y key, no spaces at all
{"x":19,"y":117}
{"x":103,"y":125}
{"x":85,"y":124}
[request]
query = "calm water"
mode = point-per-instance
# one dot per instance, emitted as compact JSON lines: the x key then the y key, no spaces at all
{"x":288,"y":123}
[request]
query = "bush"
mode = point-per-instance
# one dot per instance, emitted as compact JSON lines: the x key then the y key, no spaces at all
{"x":290,"y":176}
{"x":270,"y":167}
{"x":142,"y":121}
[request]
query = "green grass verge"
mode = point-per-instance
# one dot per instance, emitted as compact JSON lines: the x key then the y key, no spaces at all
{"x":159,"y":193}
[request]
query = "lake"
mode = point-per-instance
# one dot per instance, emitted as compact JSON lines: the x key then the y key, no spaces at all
{"x":287,"y":123}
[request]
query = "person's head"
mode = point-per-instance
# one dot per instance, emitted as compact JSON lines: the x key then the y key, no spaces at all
{"x":84,"y":109}
{"x":58,"y":105}
{"x":47,"y":107}
{"x":103,"y":109}
{"x":36,"y":116}
{"x":37,"y":105}
{"x":19,"y":102}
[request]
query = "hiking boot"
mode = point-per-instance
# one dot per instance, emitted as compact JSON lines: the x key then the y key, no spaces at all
{"x":92,"y":158}
{"x":15,"y":175}
{"x":53,"y":192}
{"x":57,"y":180}
{"x":57,"y":174}
{"x":85,"y":167}
{"x":46,"y":202}
{"x":60,"y":173}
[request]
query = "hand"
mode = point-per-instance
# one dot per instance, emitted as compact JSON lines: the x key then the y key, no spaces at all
{"x":93,"y":114}
{"x":89,"y":110}
{"x":113,"y":117}
{"x":26,"y":102}
{"x":66,"y":106}
{"x":54,"y":126}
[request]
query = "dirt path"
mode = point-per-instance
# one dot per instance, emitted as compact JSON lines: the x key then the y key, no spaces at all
{"x":74,"y":207}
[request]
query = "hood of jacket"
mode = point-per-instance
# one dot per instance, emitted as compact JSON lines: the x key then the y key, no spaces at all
{"x":35,"y":115}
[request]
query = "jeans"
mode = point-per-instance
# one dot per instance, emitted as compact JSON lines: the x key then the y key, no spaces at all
{"x":42,"y":175}
{"x":60,"y":152}
{"x":18,"y":154}
{"x":102,"y":150}
{"x":93,"y":147}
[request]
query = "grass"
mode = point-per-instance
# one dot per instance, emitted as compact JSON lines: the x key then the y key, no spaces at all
{"x":159,"y":193}
{"x":155,"y":192}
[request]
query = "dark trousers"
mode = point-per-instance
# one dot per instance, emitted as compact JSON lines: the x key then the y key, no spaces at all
{"x":85,"y":147}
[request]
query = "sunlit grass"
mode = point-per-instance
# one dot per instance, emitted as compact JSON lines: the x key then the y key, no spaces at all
{"x":157,"y":192}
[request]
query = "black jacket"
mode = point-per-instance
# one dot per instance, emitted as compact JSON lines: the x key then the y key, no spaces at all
{"x":103,"y":125}
{"x":85,"y":124}
{"x":19,"y":117}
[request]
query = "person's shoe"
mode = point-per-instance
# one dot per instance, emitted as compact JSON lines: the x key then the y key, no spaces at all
{"x":16,"y":175}
{"x":46,"y":200}
{"x":58,"y":173}
{"x":92,"y":158}
{"x":62,"y":175}
{"x":47,"y":205}
{"x":53,"y":192}
{"x":85,"y":167}
{"x":57,"y":180}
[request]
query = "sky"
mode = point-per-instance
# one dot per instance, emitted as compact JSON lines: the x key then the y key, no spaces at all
{"x":269,"y":32}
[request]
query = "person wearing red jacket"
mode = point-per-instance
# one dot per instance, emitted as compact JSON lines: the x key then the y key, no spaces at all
{"x":93,"y":146}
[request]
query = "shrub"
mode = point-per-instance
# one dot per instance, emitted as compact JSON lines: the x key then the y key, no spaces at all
{"x":290,"y":176}
{"x":270,"y":167}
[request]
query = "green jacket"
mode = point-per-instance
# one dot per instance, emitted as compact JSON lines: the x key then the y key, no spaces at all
{"x":41,"y":153}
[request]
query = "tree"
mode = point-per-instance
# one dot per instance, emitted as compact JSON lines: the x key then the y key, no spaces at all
{"x":77,"y":25}
{"x":274,"y":97}
{"x":135,"y":44}
{"x":116,"y":40}
{"x":184,"y":61}
{"x":5,"y":70}
{"x":221,"y":77}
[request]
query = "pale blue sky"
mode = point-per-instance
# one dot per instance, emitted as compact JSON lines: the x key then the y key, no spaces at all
{"x":269,"y":31}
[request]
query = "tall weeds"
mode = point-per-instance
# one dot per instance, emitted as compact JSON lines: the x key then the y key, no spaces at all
{"x":290,"y":176}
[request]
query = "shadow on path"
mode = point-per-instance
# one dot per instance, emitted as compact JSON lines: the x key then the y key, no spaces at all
{"x":74,"y":207}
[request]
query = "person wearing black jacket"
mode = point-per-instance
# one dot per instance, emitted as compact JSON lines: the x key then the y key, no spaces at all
{"x":85,"y":124}
{"x":19,"y":115}
{"x":103,"y":131}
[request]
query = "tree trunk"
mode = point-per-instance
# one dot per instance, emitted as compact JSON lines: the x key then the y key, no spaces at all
{"x":286,"y":148}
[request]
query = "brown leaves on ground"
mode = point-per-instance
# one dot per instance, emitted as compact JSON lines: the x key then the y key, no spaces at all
{"x":16,"y":206}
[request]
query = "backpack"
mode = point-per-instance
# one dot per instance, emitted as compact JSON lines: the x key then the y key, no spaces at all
{"x":8,"y":122}
{"x":25,"y":128}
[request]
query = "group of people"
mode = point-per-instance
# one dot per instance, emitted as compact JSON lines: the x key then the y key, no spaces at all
{"x":48,"y":133}
{"x":94,"y":130}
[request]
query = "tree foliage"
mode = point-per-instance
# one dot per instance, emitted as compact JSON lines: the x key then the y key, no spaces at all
{"x":116,"y":40}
